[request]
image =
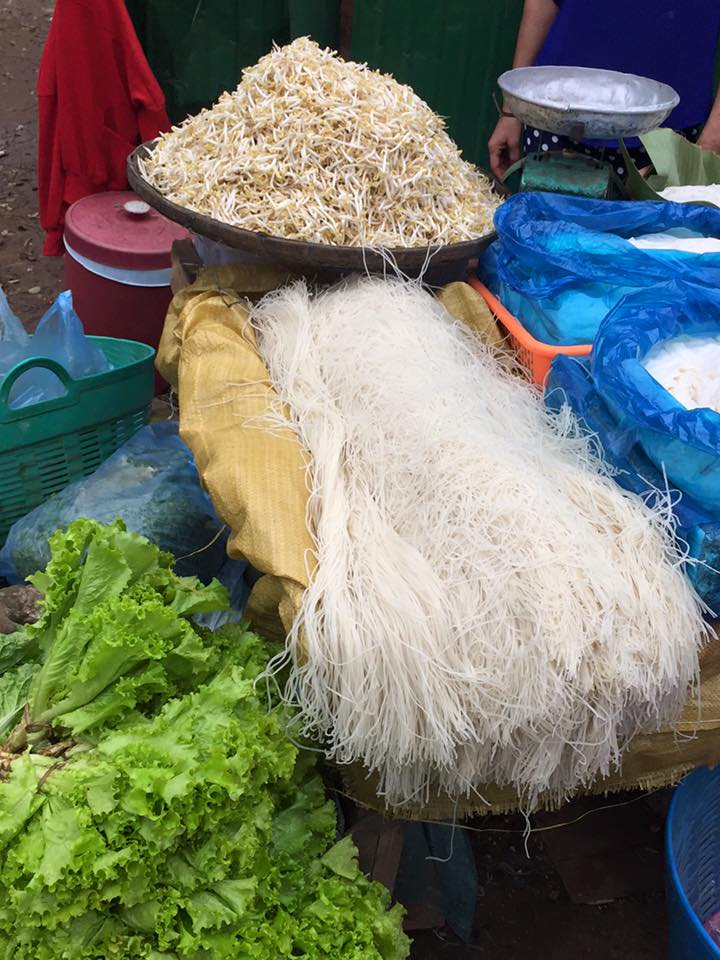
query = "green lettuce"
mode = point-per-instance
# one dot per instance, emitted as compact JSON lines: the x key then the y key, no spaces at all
{"x":14,"y":689}
{"x":114,"y":631}
{"x":155,"y":807}
{"x":16,"y":648}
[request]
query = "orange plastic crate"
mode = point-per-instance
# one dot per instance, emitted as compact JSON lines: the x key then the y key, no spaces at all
{"x":534,"y":355}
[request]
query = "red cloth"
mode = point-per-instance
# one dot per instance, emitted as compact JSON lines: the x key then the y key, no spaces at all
{"x":97,"y":99}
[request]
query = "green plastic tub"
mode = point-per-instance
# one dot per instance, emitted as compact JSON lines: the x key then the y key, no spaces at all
{"x":46,"y":446}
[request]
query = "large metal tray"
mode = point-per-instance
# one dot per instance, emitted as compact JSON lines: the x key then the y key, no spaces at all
{"x":296,"y":253}
{"x":584,"y":103}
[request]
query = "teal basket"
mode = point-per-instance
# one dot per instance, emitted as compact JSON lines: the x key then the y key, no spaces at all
{"x":48,"y":445}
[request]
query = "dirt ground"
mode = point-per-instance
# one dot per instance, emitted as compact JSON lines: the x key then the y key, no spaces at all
{"x":30,"y":281}
{"x":524,"y":911}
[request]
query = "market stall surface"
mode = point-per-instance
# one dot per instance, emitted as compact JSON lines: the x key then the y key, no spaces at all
{"x":523,"y":908}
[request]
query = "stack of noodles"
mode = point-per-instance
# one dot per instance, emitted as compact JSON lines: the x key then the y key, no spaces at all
{"x":487,"y":605}
{"x":310,"y":147}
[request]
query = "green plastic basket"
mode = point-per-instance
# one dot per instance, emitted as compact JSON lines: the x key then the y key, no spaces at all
{"x":46,"y":446}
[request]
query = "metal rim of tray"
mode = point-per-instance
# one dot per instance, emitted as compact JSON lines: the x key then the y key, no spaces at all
{"x":299,"y":253}
{"x":591,"y":120}
{"x":668,"y":104}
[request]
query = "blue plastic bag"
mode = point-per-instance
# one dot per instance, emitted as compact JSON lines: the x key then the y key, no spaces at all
{"x":151,"y":482}
{"x":570,"y":382}
{"x":561,"y":263}
{"x":684,"y":443}
{"x":233,"y":576}
{"x":59,"y":336}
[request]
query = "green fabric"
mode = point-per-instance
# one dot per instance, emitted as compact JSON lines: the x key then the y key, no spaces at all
{"x":198,"y":48}
{"x":451,"y":53}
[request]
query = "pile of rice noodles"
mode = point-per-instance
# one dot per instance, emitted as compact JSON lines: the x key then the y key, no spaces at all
{"x":488,"y":606}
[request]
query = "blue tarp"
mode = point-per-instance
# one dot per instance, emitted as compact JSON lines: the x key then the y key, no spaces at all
{"x":684,"y":443}
{"x":653,"y":442}
{"x":561,"y":263}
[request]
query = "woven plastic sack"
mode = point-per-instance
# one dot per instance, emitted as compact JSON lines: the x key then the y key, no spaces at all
{"x":151,"y":482}
{"x":257,"y":481}
{"x":561,"y":263}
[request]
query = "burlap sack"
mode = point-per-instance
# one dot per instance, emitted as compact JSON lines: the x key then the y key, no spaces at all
{"x":257,"y":481}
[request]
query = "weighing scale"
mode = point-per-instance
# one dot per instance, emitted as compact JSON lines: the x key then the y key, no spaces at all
{"x":584,"y":104}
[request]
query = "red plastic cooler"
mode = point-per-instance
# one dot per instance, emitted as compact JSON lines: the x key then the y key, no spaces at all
{"x":117,"y":265}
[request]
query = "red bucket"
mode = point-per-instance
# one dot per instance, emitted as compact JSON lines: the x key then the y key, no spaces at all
{"x":117,"y":265}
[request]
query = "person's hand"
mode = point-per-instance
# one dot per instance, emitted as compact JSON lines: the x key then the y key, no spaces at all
{"x":709,"y":139}
{"x":504,"y":145}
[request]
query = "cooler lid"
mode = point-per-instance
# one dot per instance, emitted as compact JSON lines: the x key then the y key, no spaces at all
{"x":101,"y":228}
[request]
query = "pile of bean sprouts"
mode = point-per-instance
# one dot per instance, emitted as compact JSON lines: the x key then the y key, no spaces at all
{"x":311,"y":147}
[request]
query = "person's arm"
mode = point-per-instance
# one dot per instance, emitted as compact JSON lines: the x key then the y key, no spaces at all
{"x":709,"y":139}
{"x":538,"y":17}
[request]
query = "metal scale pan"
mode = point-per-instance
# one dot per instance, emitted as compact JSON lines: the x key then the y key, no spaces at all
{"x":585,"y":103}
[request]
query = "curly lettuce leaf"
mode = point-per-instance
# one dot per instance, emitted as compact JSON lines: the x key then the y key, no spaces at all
{"x":342,"y":859}
{"x":195,"y":833}
{"x":19,"y":799}
{"x":177,"y":821}
{"x":17,"y":648}
{"x":113,"y":610}
{"x":14,"y":689}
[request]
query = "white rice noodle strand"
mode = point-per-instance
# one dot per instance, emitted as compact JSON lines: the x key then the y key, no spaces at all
{"x":488,"y":606}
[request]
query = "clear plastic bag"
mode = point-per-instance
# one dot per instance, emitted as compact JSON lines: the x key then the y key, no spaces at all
{"x":152,"y":484}
{"x":13,"y":338}
{"x":60,"y":337}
